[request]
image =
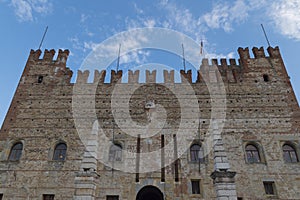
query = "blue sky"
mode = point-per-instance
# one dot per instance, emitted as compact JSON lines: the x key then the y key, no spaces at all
{"x":80,"y":25}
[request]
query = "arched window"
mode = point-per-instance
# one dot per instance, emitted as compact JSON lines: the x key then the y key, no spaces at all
{"x":60,"y":151}
{"x":196,"y":152}
{"x":289,"y":154}
{"x":115,"y":153}
{"x":252,"y":154}
{"x":16,"y":152}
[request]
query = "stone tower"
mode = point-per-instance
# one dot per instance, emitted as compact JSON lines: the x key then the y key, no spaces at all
{"x":233,"y":133}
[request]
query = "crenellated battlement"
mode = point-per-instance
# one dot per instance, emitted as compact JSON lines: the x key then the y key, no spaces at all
{"x":110,"y":135}
{"x":214,"y":70}
{"x":47,"y":69}
{"x":259,"y":52}
{"x":49,"y":55}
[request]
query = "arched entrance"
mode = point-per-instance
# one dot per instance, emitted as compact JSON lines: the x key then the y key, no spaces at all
{"x":149,"y":193}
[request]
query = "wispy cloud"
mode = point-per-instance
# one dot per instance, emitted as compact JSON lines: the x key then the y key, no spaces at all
{"x":76,"y":44}
{"x":89,"y":46}
{"x":24,"y":9}
{"x":224,"y":15}
{"x":83,"y":18}
{"x":137,"y":9}
{"x":183,"y":20}
{"x":150,"y":23}
{"x":286,"y":17}
{"x":130,"y":52}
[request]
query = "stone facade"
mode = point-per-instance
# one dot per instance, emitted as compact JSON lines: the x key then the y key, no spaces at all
{"x":235,"y":104}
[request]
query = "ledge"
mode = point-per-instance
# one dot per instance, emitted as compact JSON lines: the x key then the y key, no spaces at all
{"x":222,"y":174}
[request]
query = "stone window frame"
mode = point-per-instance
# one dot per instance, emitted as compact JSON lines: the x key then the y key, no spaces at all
{"x":9,"y":151}
{"x":119,"y":144}
{"x":295,"y":146}
{"x":190,"y":188}
{"x":54,"y":149}
{"x":204,"y":160}
{"x":273,"y":185}
{"x":260,"y":149}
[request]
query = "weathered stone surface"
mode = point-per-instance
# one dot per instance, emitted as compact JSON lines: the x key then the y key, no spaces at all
{"x":258,"y":110}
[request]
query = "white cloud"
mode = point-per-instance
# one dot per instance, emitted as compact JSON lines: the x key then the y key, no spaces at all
{"x":130,"y":52}
{"x":224,"y":15}
{"x":75,"y":43}
{"x":83,"y":18}
{"x":183,"y":20}
{"x":137,"y":9}
{"x":24,"y":9}
{"x":286,"y":17}
{"x":89,"y":33}
{"x":150,"y":23}
{"x":137,"y":56}
{"x":256,"y":4}
{"x":89,"y":46}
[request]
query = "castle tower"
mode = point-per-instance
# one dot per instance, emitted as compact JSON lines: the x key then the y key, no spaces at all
{"x":233,"y":133}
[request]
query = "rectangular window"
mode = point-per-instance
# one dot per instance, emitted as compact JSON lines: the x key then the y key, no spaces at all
{"x":176,"y":163}
{"x":195,"y":186}
{"x":137,"y":162}
{"x":40,"y":79}
{"x":48,"y":196}
{"x":112,"y":197}
{"x":269,"y":187}
{"x":162,"y":145}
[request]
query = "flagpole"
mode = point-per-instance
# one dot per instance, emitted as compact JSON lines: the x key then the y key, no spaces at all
{"x":43,"y":37}
{"x":118,"y":63}
{"x":262,"y":26}
{"x":183,"y":58}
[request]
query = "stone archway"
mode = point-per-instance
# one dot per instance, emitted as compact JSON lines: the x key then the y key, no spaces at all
{"x":149,"y":193}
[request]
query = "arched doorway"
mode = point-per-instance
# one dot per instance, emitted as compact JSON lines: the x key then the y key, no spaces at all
{"x":149,"y":193}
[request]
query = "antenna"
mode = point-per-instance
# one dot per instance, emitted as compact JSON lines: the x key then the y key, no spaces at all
{"x":43,"y":37}
{"x":201,"y":47}
{"x":118,"y":63}
{"x":183,"y":58}
{"x":262,"y":26}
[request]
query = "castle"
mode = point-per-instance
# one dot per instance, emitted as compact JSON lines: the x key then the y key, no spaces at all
{"x":231,"y":134}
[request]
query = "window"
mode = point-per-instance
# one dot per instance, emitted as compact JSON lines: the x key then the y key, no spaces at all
{"x":40,"y":79}
{"x":252,"y":154}
{"x":266,"y":78}
{"x":289,"y":154}
{"x":16,"y":152}
{"x":60,"y":152}
{"x":48,"y":196}
{"x":112,"y":197}
{"x":269,"y":187}
{"x":115,"y":153}
{"x":195,"y":186}
{"x":196,"y":152}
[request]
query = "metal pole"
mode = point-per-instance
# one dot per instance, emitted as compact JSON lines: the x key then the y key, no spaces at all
{"x":43,"y":37}
{"x":118,"y":63}
{"x":183,"y":58}
{"x":265,"y":34}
